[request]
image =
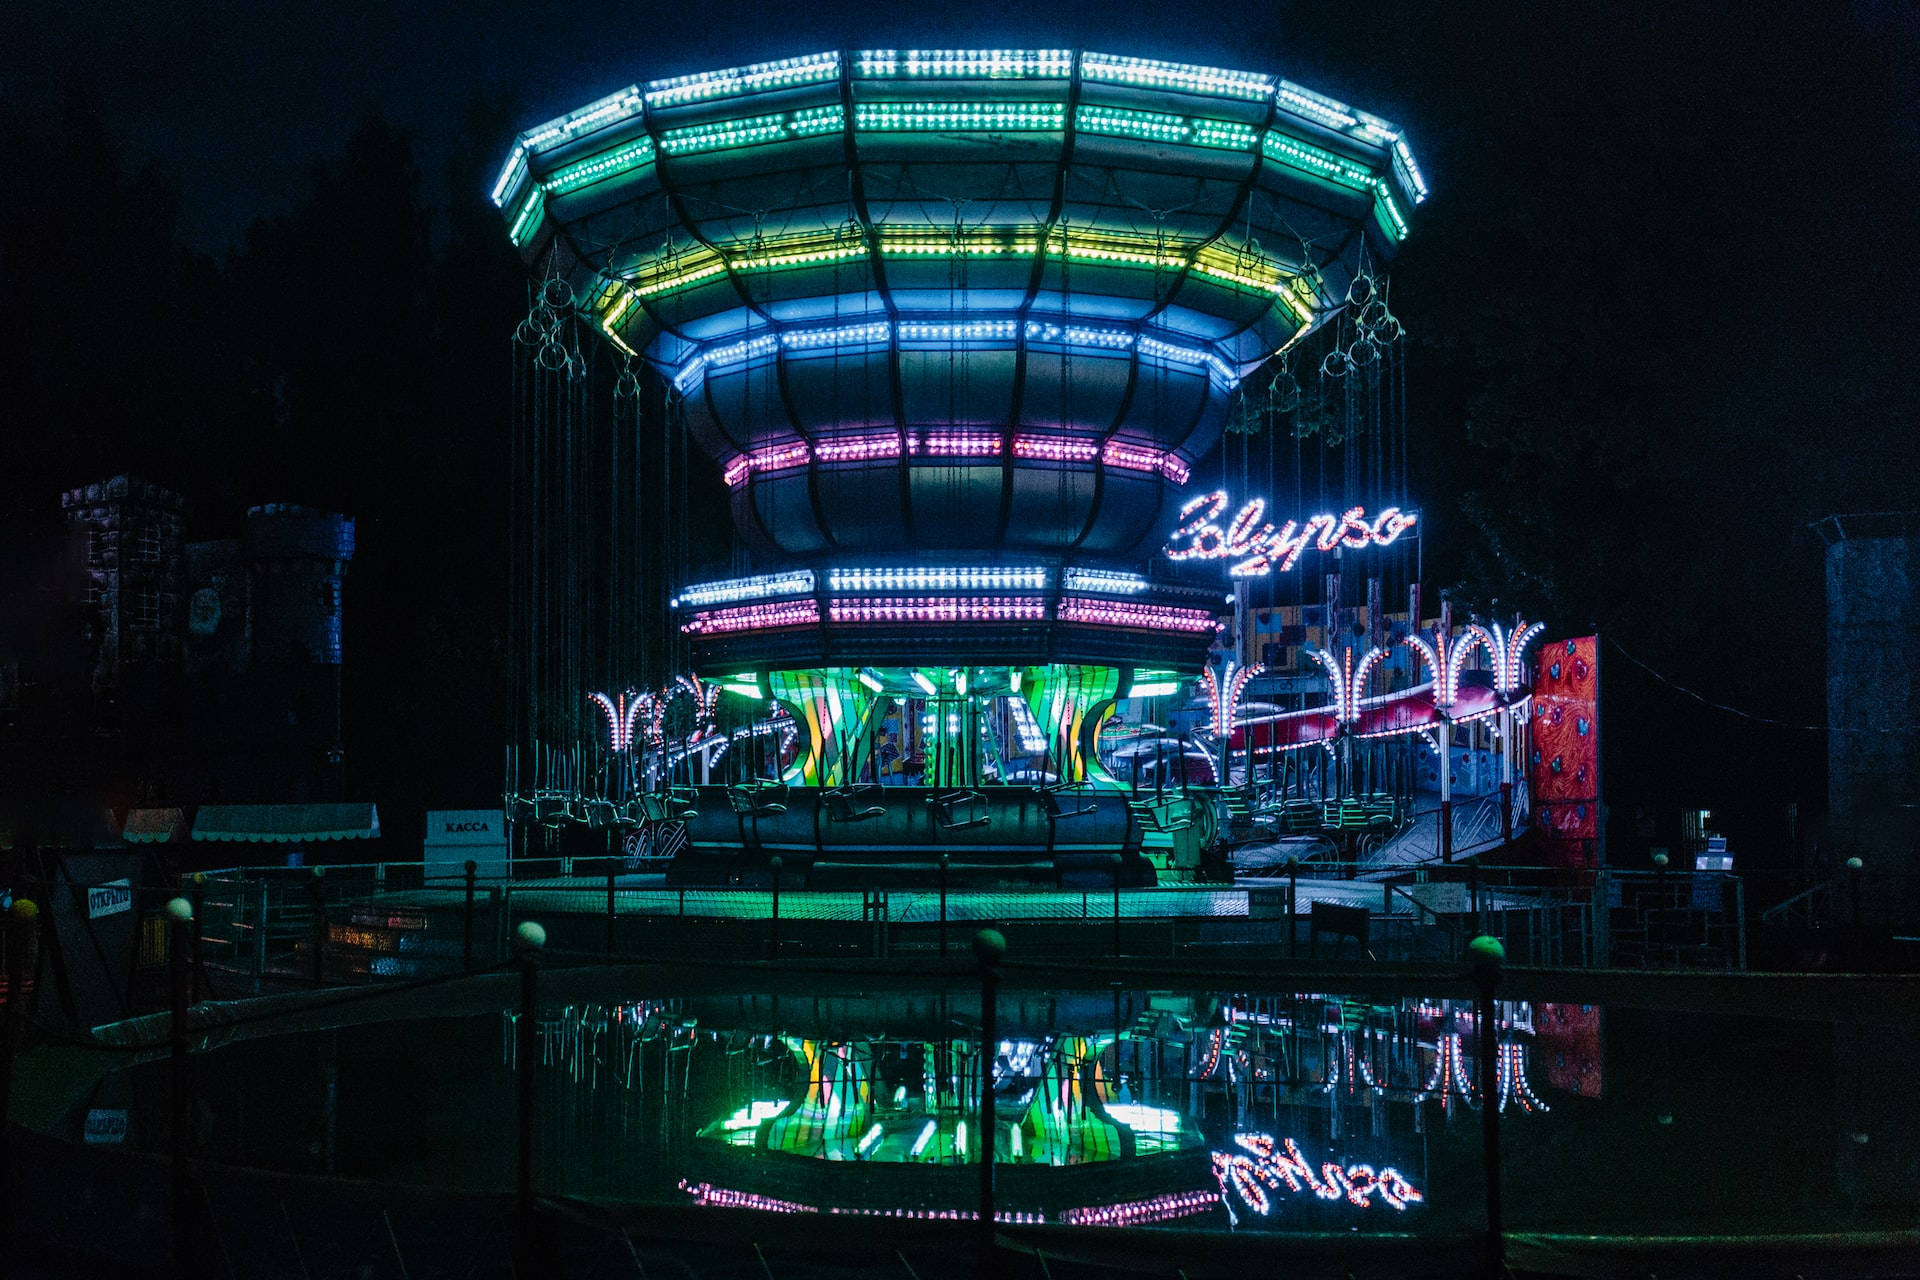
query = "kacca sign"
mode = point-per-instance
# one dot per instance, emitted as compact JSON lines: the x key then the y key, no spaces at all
{"x":1257,"y":548}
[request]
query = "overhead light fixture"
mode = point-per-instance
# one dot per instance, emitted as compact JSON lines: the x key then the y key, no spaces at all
{"x":869,"y":679}
{"x":1013,"y":677}
{"x":920,"y":679}
{"x":960,"y":681}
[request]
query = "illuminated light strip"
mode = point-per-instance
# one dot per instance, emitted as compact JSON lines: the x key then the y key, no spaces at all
{"x":956,"y":444}
{"x":1404,"y":154}
{"x":1159,"y":126}
{"x":753,"y":617}
{"x":1175,"y":75}
{"x":889,"y":117}
{"x":1155,"y":348}
{"x":633,"y":155}
{"x":995,"y":63}
{"x":1026,"y":728}
{"x":857,"y":448}
{"x":759,"y":587}
{"x":1139,"y":1213}
{"x":965,"y":331}
{"x":1383,"y":204}
{"x":1311,"y":159}
{"x":1210,"y":260}
{"x":510,"y":174}
{"x":938,"y":609}
{"x":611,"y":109}
{"x":1146,"y":617}
{"x":536,"y":203}
{"x":1315,"y":107}
{"x":807,"y":69}
{"x":964,"y":578}
{"x":1108,"y":581}
{"x":751,"y":131}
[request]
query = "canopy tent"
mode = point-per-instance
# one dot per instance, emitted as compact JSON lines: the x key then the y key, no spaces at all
{"x":154,"y":826}
{"x":286,"y":823}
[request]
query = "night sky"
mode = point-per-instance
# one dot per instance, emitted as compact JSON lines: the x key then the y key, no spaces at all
{"x":1660,"y":302}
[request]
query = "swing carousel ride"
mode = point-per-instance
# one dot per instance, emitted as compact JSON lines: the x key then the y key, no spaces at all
{"x":958,"y":330}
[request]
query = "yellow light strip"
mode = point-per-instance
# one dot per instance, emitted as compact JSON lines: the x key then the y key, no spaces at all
{"x":692,"y":266}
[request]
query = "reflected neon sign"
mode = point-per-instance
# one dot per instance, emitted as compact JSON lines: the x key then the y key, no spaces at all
{"x":1264,"y":1166}
{"x":1257,"y":548}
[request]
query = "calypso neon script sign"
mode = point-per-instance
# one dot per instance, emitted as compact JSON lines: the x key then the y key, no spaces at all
{"x":1257,"y":548}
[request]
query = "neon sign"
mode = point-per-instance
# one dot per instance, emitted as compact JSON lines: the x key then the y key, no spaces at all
{"x":1257,"y":548}
{"x":1263,"y":1165}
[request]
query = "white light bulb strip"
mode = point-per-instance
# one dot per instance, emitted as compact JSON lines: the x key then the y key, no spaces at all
{"x":954,"y":444}
{"x":916,"y":609}
{"x":1102,"y":581}
{"x":784,"y":73}
{"x":610,"y":110}
{"x":755,"y":617}
{"x":943,"y":334}
{"x":759,"y":587}
{"x":971,"y":63}
{"x":1140,"y":617}
{"x":1032,"y":740}
{"x":1154,"y":74}
{"x":964,"y":578}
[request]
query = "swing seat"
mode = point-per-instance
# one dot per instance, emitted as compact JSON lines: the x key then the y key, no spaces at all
{"x":959,"y":810}
{"x":1063,"y":800}
{"x":854,"y":804}
{"x":601,"y":814}
{"x":1163,"y":817}
{"x":552,"y":809}
{"x":758,"y":799}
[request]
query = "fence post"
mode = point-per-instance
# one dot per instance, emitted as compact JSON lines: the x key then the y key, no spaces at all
{"x":23,"y":925}
{"x":773,"y":935}
{"x":612,"y":910}
{"x":1484,"y":956}
{"x":528,"y":939}
{"x":945,"y":861}
{"x":197,"y":955}
{"x":179,"y":1123}
{"x":1657,"y":930}
{"x":989,"y":948}
{"x":1506,"y":813}
{"x":466,"y":940}
{"x":1116,"y":861}
{"x":1854,"y":866}
{"x":319,"y":926}
{"x":1293,"y":908}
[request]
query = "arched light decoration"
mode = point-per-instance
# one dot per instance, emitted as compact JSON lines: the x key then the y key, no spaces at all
{"x":1446,"y":657}
{"x":1349,"y":681}
{"x":623,"y":716}
{"x":1221,"y":709}
{"x":1509,"y":650}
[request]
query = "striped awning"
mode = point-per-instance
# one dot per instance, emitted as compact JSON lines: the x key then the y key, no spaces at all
{"x":286,"y":823}
{"x":154,"y":826}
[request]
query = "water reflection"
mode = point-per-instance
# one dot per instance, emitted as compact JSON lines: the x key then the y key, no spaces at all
{"x":1120,"y":1108}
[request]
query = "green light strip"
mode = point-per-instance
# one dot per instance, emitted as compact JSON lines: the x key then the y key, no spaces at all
{"x":943,"y":116}
{"x":1321,"y":164}
{"x":1387,"y":211}
{"x":632,"y":156}
{"x":751,"y":131}
{"x":529,"y":216}
{"x":1158,"y":126}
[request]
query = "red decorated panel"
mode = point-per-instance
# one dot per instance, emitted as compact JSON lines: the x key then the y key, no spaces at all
{"x":1565,"y":766}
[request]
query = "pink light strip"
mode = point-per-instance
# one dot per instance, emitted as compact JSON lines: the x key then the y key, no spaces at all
{"x":939,"y":609}
{"x":1144,"y":617}
{"x":753,"y":617}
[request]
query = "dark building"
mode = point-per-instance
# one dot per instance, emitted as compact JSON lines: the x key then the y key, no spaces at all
{"x":140,"y":668}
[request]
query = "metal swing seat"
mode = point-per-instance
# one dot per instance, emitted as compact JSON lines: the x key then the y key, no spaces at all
{"x":855,"y":803}
{"x":959,"y":810}
{"x":1068,"y":800}
{"x":758,"y":799}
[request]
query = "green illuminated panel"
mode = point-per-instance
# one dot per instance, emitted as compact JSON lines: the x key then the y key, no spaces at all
{"x":750,"y":131}
{"x":632,"y":156}
{"x":527,"y":221}
{"x":1158,"y":126}
{"x":1322,"y":164}
{"x":1387,"y":211}
{"x":964,"y":116}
